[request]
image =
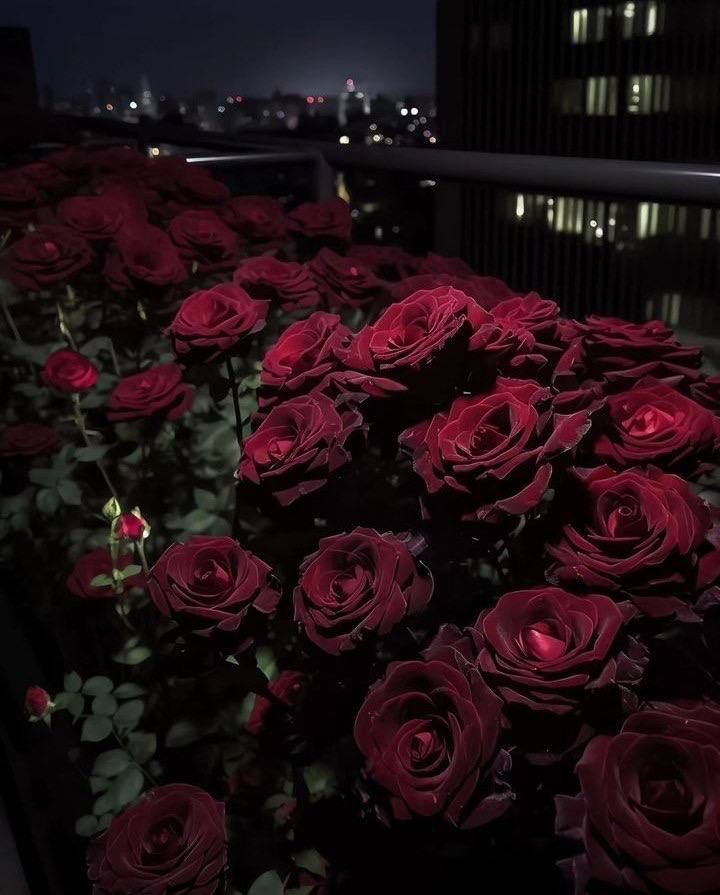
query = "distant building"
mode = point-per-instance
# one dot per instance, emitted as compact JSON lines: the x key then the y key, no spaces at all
{"x":18,"y":87}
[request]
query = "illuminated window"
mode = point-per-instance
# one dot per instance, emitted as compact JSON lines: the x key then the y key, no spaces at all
{"x":647,"y":94}
{"x":601,"y":96}
{"x":590,"y":25}
{"x":641,"y":18}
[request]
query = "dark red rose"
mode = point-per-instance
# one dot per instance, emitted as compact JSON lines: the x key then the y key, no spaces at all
{"x":255,"y":218}
{"x":540,"y":316}
{"x":48,"y":178}
{"x":620,"y":352}
{"x":94,"y":217}
{"x":69,"y":371}
{"x":38,"y":704}
{"x":157,"y":390}
{"x":637,"y":535}
{"x":706,"y":391}
{"x":486,"y":291}
{"x":546,"y":650}
{"x":143,"y":256}
{"x":455,"y":267}
{"x":328,"y":219}
{"x":490,"y":456}
{"x":387,"y":262}
{"x":215,"y":321}
{"x":99,"y":562}
{"x":130,"y":198}
{"x":429,"y":734}
{"x":298,"y":446}
{"x":115,"y":159}
{"x":189,"y":186}
{"x":211,"y":584}
{"x":130,"y":527}
{"x":286,"y":284}
{"x":28,"y":440}
{"x":71,"y":160}
{"x":47,"y":257}
{"x":654,"y":423}
{"x":648,"y":816}
{"x":305,"y":353}
{"x":19,"y":199}
{"x":171,"y":842}
{"x":287,"y":688}
{"x":345,"y":282}
{"x":360,"y":584}
{"x":203,"y":239}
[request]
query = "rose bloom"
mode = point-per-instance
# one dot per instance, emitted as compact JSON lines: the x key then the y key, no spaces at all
{"x":195,"y":186}
{"x":212,"y":584}
{"x":48,"y":178}
{"x":99,"y":562}
{"x":71,"y":160}
{"x":28,"y":440}
{"x":302,"y":357}
{"x":213,"y":322}
{"x":546,"y":650}
{"x":328,"y":219}
{"x":430,"y":733}
{"x":288,"y":688}
{"x":298,"y":446}
{"x":19,"y":199}
{"x":344,"y":281}
{"x":286,"y":284}
{"x":636,"y":534}
{"x":37,"y":703}
{"x":359,"y":584}
{"x":490,"y":456}
{"x":143,"y":256}
{"x":203,"y":238}
{"x":170,"y":842}
{"x":654,"y":423}
{"x":540,"y":316}
{"x":94,"y":217}
{"x":69,"y":371}
{"x":647,"y":815}
{"x":46,"y":257}
{"x":486,"y":291}
{"x":387,"y":262}
{"x":156,"y":391}
{"x":255,"y":218}
{"x":115,"y":159}
{"x":455,"y":267}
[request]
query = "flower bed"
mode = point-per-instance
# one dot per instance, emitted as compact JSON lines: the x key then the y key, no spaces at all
{"x":364,"y":570}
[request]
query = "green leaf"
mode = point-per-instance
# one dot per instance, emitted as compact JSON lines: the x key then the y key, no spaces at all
{"x":129,"y":713}
{"x":265,"y":659}
{"x":104,"y":704}
{"x":74,"y":703}
{"x":182,"y":733}
{"x":126,"y":788}
{"x":86,"y":825}
{"x":95,"y":729}
{"x":132,"y":655}
{"x":206,"y":500}
{"x":45,"y":477}
{"x":198,"y":520}
{"x":311,"y":860}
{"x":104,"y":822}
{"x":111,"y":763}
{"x":142,"y":746}
{"x":72,"y":682}
{"x":48,"y":502}
{"x":129,"y":571}
{"x":126,"y":691}
{"x":95,"y":686}
{"x":268,"y":883}
{"x":103,"y":804}
{"x":321,"y":781}
{"x":69,"y":492}
{"x":102,"y":581}
{"x":92,"y":453}
{"x":98,"y":785}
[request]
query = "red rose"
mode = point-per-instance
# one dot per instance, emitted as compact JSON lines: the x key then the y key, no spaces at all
{"x":171,"y":842}
{"x":99,"y":562}
{"x":69,"y":371}
{"x":94,"y":217}
{"x":329,"y":219}
{"x":344,"y":281}
{"x":28,"y":440}
{"x":359,"y":584}
{"x":19,"y":199}
{"x":429,"y":734}
{"x":213,"y":322}
{"x":70,"y":159}
{"x":537,"y":315}
{"x":637,"y":535}
{"x":298,"y":446}
{"x":47,"y":257}
{"x":211,"y":584}
{"x":255,"y":218}
{"x":48,"y":178}
{"x":189,"y":186}
{"x":455,"y":267}
{"x":130,"y":527}
{"x":654,"y":423}
{"x":38,"y":704}
{"x":287,"y":688}
{"x":286,"y":284}
{"x":486,"y":291}
{"x":387,"y":262}
{"x":706,"y":391}
{"x":157,"y":390}
{"x":115,"y":159}
{"x":648,"y":816}
{"x":143,"y":256}
{"x":304,"y":354}
{"x":490,"y":456}
{"x":202,"y":238}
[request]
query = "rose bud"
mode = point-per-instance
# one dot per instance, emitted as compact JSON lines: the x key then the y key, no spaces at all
{"x":38,"y":704}
{"x":69,"y":371}
{"x":287,"y":689}
{"x":131,"y":527}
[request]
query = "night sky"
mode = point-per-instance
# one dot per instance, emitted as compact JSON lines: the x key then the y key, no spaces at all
{"x":244,"y":46}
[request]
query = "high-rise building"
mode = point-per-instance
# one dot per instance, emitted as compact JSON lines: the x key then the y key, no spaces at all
{"x":18,"y":88}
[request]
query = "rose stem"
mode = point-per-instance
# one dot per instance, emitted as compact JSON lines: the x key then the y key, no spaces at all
{"x":143,"y":557}
{"x":239,"y":435}
{"x":64,"y":327}
{"x":80,"y":422}
{"x":10,"y":322}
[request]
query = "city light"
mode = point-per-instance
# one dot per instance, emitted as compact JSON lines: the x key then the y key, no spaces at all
{"x":321,"y":99}
{"x":133,"y":104}
{"x":109,"y":107}
{"x":414,"y":110}
{"x":310,"y":100}
{"x":432,"y":140}
{"x":154,"y":151}
{"x":238,"y":99}
{"x":344,"y":139}
{"x":403,"y":111}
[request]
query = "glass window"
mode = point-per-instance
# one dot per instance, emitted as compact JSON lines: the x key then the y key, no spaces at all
{"x":647,"y":94}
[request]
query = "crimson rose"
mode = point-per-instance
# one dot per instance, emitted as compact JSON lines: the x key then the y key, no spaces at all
{"x":359,"y":584}
{"x":203,"y":238}
{"x":429,"y":733}
{"x":287,"y":688}
{"x":144,"y":256}
{"x":284,"y":283}
{"x":255,"y":218}
{"x":344,"y":281}
{"x":28,"y":440}
{"x":47,"y":256}
{"x":94,"y":217}
{"x":490,"y":456}
{"x":69,"y":371}
{"x":99,"y":562}
{"x":214,"y":321}
{"x":211,"y":584}
{"x":298,"y":446}
{"x":486,"y":291}
{"x":157,"y":390}
{"x":171,"y":842}
{"x":38,"y":704}
{"x":19,"y":199}
{"x":648,"y":815}
{"x":386,"y":262}
{"x":328,"y":219}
